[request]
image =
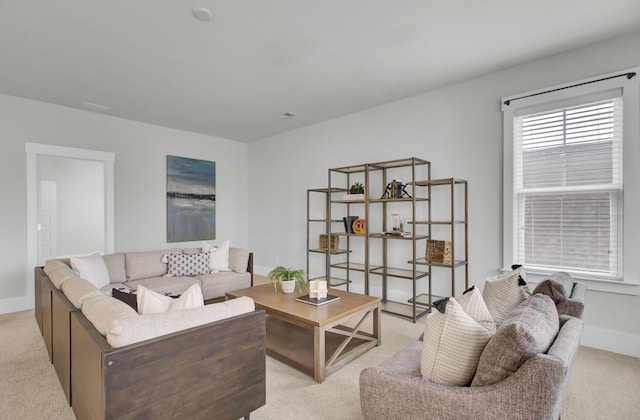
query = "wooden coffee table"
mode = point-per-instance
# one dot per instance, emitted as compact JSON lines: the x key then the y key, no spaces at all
{"x":313,"y":338}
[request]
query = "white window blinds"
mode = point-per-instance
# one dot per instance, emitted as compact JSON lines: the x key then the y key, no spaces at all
{"x":568,"y":187}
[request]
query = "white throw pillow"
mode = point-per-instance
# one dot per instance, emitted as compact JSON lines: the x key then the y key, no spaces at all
{"x":150,"y":302}
{"x":91,"y":268}
{"x":191,"y":298}
{"x":504,"y":292}
{"x":219,"y":258}
{"x":474,"y":305}
{"x":453,"y":343}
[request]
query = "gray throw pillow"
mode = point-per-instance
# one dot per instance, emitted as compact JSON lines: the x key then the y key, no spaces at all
{"x":527,"y":330}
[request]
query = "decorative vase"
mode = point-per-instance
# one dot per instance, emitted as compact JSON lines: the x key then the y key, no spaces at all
{"x":288,"y":286}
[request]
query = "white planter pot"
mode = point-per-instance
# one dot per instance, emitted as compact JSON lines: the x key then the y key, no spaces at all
{"x":288,"y":286}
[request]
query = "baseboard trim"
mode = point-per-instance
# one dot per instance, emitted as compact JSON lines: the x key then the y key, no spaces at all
{"x":16,"y":304}
{"x":609,"y":340}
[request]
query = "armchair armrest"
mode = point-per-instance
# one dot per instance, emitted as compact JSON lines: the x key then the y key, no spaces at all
{"x":574,"y":305}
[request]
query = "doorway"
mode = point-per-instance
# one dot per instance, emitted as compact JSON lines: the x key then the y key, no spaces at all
{"x":70,"y":203}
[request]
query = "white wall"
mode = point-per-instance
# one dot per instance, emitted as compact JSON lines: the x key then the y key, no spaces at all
{"x":459,"y":129}
{"x":140,"y":180}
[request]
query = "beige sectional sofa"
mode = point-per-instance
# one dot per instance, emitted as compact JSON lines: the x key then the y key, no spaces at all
{"x":204,"y":362}
{"x":130,"y":269}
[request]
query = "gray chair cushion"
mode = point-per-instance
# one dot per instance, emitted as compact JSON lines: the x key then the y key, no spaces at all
{"x":527,"y":330}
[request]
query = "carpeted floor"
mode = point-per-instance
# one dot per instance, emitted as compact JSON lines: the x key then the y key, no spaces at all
{"x":603,"y":385}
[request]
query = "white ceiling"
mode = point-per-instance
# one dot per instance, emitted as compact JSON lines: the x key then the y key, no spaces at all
{"x":151,"y":61}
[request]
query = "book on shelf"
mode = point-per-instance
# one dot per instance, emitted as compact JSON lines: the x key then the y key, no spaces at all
{"x":317,"y":302}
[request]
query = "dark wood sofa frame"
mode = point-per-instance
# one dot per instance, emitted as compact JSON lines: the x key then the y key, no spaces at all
{"x":216,"y":370}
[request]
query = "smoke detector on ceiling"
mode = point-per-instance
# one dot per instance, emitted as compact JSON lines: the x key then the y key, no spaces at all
{"x":202,"y":13}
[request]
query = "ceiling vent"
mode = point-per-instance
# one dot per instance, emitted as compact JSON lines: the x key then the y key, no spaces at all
{"x":286,"y":115}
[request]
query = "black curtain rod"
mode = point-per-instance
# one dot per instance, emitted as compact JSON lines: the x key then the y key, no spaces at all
{"x":629,"y":75}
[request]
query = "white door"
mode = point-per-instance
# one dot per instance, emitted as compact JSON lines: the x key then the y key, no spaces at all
{"x":47,"y":221}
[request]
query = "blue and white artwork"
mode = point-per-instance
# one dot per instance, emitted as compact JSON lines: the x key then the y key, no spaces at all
{"x":191,"y":199}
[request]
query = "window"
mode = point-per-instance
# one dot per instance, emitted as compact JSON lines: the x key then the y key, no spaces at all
{"x":565,"y":178}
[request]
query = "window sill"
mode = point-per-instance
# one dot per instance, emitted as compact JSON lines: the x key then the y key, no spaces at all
{"x":599,"y":285}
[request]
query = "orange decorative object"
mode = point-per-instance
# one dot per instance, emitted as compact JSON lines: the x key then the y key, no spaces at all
{"x":359,"y":226}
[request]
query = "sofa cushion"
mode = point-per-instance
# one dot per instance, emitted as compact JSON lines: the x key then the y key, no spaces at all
{"x":217,"y":284}
{"x":102,"y":310}
{"x":528,"y":330}
{"x":58,"y":272}
{"x":142,"y":265}
{"x":124,"y":331}
{"x":115,"y":267}
{"x":188,"y":264}
{"x":219,"y":259}
{"x":78,"y":290}
{"x":453,"y":342}
{"x":91,"y":268}
{"x":504,"y":292}
{"x":164,"y":285}
{"x":150,"y":302}
{"x":238,"y":259}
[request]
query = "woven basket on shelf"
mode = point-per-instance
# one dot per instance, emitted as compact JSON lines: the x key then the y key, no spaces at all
{"x":323,"y":241}
{"x":438,"y":251}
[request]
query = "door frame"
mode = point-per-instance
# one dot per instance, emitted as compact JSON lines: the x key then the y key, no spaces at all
{"x":33,"y":150}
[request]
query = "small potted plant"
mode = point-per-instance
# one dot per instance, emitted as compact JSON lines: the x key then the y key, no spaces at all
{"x":288,"y":278}
{"x":356,"y":188}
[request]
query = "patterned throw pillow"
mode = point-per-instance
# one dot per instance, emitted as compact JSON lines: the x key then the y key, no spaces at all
{"x":504,"y":292}
{"x":188,"y":264}
{"x":453,"y":343}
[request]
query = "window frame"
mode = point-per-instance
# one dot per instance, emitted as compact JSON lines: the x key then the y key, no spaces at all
{"x":579,"y":92}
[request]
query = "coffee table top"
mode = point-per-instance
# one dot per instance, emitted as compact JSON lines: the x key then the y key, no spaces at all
{"x":285,"y":305}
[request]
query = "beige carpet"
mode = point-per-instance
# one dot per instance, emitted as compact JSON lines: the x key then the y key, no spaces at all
{"x":603,"y":385}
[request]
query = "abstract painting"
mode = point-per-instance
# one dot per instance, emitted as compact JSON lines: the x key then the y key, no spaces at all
{"x":191,"y":199}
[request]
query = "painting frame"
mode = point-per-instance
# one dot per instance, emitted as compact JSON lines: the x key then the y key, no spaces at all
{"x":191,"y":199}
